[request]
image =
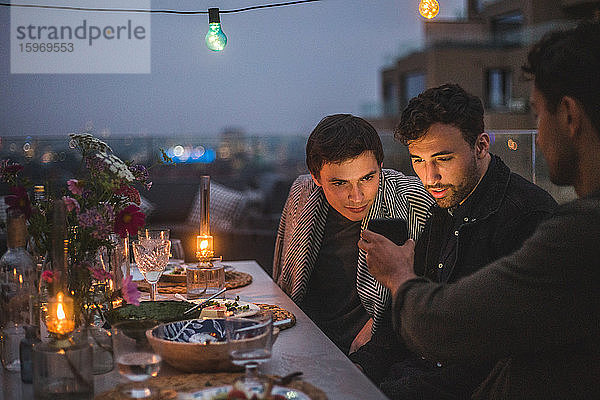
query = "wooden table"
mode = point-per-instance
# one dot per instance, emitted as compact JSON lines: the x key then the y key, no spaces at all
{"x":301,"y":348}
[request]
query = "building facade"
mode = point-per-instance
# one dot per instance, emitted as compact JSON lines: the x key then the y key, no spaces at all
{"x":483,"y":53}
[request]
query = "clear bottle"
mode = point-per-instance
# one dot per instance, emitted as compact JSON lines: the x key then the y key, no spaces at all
{"x":18,"y":289}
{"x":39,"y":197}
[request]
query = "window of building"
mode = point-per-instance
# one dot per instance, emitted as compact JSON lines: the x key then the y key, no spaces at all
{"x":499,"y":82}
{"x":414,"y":84}
{"x":390,"y":99}
{"x":508,"y":28}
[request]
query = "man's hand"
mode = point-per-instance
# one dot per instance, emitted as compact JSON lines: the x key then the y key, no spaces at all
{"x":363,"y":336}
{"x":391,"y":265}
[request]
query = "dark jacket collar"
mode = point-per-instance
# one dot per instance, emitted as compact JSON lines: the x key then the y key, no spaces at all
{"x":488,"y":196}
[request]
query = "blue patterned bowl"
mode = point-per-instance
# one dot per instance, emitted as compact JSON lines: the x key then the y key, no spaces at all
{"x":194,"y":345}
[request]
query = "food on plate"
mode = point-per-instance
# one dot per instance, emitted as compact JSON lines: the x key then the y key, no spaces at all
{"x":232,"y":307}
{"x":216,"y":311}
{"x":237,"y":393}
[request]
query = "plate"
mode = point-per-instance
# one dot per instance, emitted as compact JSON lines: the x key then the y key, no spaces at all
{"x":252,"y":308}
{"x":220,"y":392}
{"x":163,"y":311}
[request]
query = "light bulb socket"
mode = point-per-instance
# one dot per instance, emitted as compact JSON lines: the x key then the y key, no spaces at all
{"x":213,"y":16}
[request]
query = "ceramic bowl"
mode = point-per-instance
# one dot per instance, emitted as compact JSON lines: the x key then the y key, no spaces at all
{"x":197,"y":345}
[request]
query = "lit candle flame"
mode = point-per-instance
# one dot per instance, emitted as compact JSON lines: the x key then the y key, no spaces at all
{"x":204,"y":245}
{"x":60,"y":313}
{"x":20,"y":279}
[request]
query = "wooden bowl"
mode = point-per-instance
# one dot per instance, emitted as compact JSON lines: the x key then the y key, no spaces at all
{"x":197,"y":357}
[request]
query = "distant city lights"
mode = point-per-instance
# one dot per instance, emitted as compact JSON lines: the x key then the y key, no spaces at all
{"x":191,"y":154}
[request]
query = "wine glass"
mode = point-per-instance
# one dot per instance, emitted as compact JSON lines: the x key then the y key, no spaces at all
{"x":135,"y":357}
{"x":153,"y":234}
{"x":151,"y":257}
{"x":250,"y":340}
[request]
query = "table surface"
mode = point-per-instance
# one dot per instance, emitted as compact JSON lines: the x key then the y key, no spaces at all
{"x":301,"y":348}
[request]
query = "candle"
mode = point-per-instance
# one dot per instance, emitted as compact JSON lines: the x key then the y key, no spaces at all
{"x":60,"y":319}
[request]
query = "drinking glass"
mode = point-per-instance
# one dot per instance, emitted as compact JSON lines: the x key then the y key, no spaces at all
{"x":251,"y":340}
{"x":153,"y":234}
{"x":151,"y":257}
{"x":177,"y":252}
{"x":135,"y":358}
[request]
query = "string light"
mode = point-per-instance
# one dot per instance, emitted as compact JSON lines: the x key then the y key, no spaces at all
{"x":429,"y":8}
{"x":215,"y":38}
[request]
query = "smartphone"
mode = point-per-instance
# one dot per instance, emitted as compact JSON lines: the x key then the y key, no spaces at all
{"x":394,"y":229}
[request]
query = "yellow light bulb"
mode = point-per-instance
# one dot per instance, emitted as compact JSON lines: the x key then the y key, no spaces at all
{"x":429,"y":8}
{"x":204,"y":245}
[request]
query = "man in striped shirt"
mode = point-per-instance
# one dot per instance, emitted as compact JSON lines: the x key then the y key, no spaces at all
{"x":317,"y":262}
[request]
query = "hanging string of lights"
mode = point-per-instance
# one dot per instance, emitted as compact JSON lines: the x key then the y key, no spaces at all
{"x":215,"y":37}
{"x":73,"y":8}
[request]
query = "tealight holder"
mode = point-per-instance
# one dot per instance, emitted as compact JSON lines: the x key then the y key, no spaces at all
{"x":62,"y":368}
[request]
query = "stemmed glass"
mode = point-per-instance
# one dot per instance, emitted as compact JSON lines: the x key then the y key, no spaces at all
{"x":251,"y":340}
{"x":135,"y":358}
{"x":151,"y":257}
{"x":153,"y":234}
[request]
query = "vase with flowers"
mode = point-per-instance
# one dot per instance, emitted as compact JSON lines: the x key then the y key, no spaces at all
{"x":102,"y":203}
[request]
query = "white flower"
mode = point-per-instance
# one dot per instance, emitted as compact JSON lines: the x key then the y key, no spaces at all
{"x":116,"y":165}
{"x":89,"y":142}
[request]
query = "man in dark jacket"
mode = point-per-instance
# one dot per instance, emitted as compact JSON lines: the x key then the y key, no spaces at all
{"x":483,"y":212}
{"x":538,"y":309}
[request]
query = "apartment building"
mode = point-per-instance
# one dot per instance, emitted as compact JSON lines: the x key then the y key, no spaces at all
{"x":483,"y":53}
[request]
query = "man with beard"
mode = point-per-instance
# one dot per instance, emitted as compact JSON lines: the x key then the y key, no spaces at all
{"x":483,"y":211}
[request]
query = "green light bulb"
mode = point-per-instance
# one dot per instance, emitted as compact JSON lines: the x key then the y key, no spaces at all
{"x":215,"y":38}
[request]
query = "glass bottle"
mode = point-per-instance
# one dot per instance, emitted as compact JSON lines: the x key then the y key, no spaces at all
{"x":18,"y":290}
{"x":25,"y":352}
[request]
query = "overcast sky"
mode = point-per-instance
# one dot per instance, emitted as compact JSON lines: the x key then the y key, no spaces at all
{"x":283,"y":69}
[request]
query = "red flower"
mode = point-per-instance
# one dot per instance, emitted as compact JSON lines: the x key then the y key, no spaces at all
{"x":130,"y":219}
{"x":13,"y":169}
{"x":48,"y":276}
{"x":130,"y":192}
{"x":19,"y":200}
{"x":99,"y":274}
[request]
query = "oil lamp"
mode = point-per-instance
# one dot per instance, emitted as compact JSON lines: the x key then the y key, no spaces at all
{"x":204,"y":241}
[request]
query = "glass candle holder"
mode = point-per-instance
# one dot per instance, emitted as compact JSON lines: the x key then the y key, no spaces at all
{"x":62,"y":369}
{"x":60,"y":316}
{"x":204,"y":247}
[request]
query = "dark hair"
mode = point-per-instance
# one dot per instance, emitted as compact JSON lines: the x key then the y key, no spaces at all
{"x":338,"y":138}
{"x":447,"y":104}
{"x":567,"y":63}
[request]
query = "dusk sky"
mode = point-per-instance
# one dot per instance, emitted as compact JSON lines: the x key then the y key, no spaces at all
{"x":283,"y":69}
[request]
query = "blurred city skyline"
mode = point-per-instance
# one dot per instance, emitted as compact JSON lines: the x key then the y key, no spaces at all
{"x":283,"y":69}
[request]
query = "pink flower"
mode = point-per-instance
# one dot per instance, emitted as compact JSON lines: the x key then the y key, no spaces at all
{"x":71,"y":203}
{"x":75,"y":186}
{"x":19,"y":200}
{"x":100,"y":274}
{"x":130,"y":219}
{"x":48,"y":276}
{"x":130,"y":292}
